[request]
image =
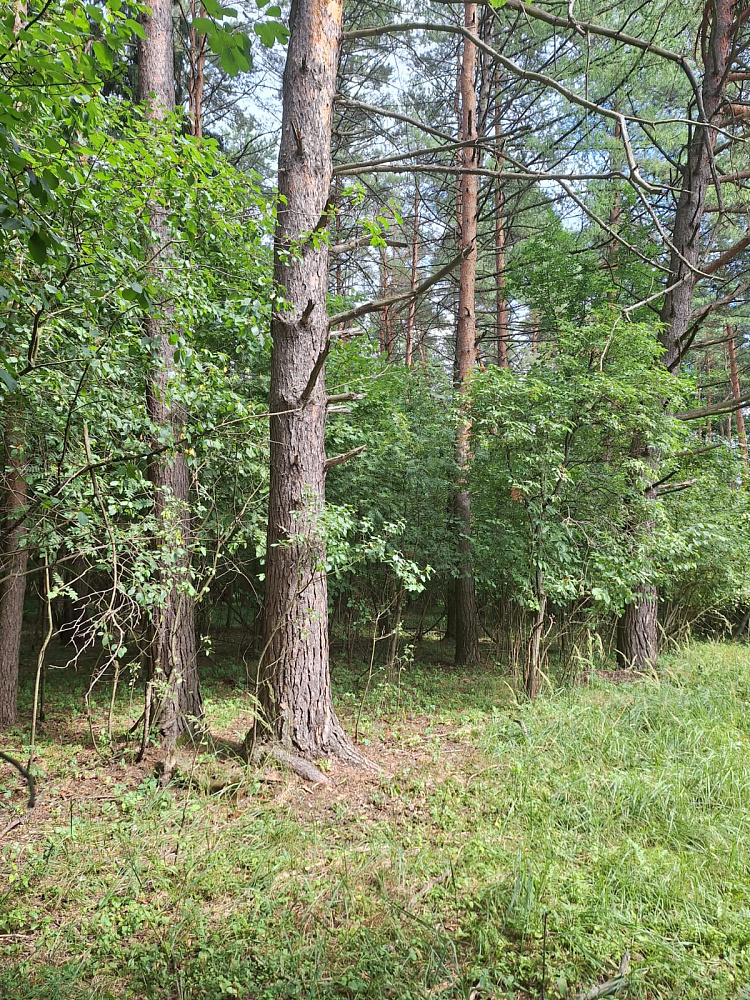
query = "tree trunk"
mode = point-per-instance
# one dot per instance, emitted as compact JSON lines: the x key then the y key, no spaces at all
{"x":737,"y":392}
{"x":386,"y":321}
{"x":637,"y":632}
{"x":501,"y":301}
{"x":197,"y":56}
{"x":172,"y":660}
{"x":411,"y":317}
{"x":467,"y":619}
{"x":676,"y":309}
{"x":12,"y":574}
{"x":533,"y":677}
{"x":696,"y":179}
{"x":295,"y":686}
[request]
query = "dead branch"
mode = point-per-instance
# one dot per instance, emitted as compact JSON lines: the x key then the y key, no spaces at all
{"x":344,"y":457}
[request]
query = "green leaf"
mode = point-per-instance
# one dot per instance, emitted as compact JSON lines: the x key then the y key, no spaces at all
{"x":271,"y":32}
{"x":214,"y":9}
{"x":8,"y":379}
{"x":103,"y":55}
{"x":135,"y":27}
{"x":38,"y":247}
{"x":203,"y":25}
{"x":135,"y":292}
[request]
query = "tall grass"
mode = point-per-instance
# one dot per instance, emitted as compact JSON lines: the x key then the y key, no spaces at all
{"x":613,"y":815}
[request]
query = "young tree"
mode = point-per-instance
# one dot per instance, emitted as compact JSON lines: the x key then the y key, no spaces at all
{"x":467,"y":619}
{"x":172,"y":652}
{"x":12,"y":570}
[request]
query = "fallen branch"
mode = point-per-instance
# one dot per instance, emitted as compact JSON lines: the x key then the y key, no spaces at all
{"x":612,"y":986}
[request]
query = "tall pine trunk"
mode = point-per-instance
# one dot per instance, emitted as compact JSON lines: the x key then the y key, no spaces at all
{"x":467,"y":619}
{"x":295,"y":688}
{"x":12,"y":572}
{"x":172,"y":651}
{"x":638,"y":629}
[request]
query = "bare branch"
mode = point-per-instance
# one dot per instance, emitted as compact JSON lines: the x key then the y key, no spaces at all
{"x":726,"y":406}
{"x":344,"y":457}
{"x":375,"y":305}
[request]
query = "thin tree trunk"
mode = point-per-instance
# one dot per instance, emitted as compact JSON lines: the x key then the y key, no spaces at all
{"x":12,"y":571}
{"x":412,"y":314}
{"x":501,"y":301}
{"x":533,"y":677}
{"x":395,"y":622}
{"x":638,"y":626}
{"x":450,"y":612}
{"x":737,"y":392}
{"x":197,"y":57}
{"x":13,"y":552}
{"x":172,"y":654}
{"x":295,"y":686}
{"x":386,"y":322}
{"x":467,"y":620}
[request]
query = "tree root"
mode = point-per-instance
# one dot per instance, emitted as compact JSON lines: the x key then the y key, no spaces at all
{"x":292,"y":762}
{"x":341,"y":749}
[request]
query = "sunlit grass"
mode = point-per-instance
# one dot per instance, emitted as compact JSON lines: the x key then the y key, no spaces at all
{"x":614,"y":814}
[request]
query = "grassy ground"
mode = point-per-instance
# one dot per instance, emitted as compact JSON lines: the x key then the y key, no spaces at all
{"x":614,"y":814}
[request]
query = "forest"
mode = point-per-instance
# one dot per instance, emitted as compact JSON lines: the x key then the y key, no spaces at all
{"x":374,"y":500}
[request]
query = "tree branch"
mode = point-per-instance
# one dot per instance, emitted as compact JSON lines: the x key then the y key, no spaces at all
{"x":340,"y":459}
{"x":375,"y":305}
{"x":726,"y":406}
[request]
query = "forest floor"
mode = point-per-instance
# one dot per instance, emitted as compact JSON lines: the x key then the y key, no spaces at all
{"x":504,"y":850}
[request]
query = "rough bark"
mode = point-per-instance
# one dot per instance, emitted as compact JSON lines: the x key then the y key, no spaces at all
{"x":172,"y":661}
{"x":467,"y":620}
{"x":697,"y":178}
{"x":12,"y":573}
{"x":637,"y":632}
{"x":295,"y":687}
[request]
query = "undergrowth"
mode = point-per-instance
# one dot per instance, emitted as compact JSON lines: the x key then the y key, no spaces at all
{"x":613,"y":815}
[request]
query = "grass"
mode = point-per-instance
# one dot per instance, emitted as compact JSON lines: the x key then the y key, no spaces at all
{"x":613,"y":814}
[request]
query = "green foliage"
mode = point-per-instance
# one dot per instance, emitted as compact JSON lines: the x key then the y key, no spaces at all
{"x":555,"y":482}
{"x":76,"y":359}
